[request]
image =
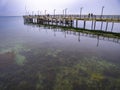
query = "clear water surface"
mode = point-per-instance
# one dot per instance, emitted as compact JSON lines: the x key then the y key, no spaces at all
{"x":37,"y":57}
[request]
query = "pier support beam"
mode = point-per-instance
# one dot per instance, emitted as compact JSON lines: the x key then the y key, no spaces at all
{"x":63,"y":22}
{"x":94,"y":24}
{"x":48,"y":21}
{"x":101,"y":25}
{"x":106,"y":26}
{"x":112,"y":26}
{"x":56,"y":21}
{"x":76,"y":23}
{"x":71,"y":23}
{"x":84,"y":24}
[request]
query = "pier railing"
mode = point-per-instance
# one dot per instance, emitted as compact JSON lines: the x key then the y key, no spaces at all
{"x":77,"y":16}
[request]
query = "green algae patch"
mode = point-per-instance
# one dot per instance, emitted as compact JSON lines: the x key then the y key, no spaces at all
{"x":39,"y":85}
{"x":20,"y":59}
{"x":52,"y":52}
{"x":2,"y":51}
{"x":88,"y":74}
{"x":94,"y":64}
{"x":97,"y":77}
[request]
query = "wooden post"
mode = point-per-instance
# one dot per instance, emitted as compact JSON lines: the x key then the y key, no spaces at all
{"x":55,"y":21}
{"x":94,"y":24}
{"x":60,"y":22}
{"x":52,"y":21}
{"x":48,"y":21}
{"x":33,"y":20}
{"x":101,"y":25}
{"x":37,"y":20}
{"x":112,"y":26}
{"x":71,"y":23}
{"x":65,"y":21}
{"x":106,"y":26}
{"x":84,"y":24}
{"x":76,"y":23}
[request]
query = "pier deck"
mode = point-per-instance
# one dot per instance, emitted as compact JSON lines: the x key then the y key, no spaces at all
{"x":109,"y":18}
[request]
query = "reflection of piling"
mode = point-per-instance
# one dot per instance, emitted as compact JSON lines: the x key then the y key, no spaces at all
{"x":97,"y":41}
{"x":78,"y":36}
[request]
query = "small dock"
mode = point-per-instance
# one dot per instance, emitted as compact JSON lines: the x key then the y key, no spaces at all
{"x":73,"y":20}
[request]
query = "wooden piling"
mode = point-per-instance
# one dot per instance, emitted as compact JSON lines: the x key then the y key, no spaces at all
{"x":52,"y":21}
{"x":101,"y":25}
{"x":63,"y":22}
{"x":76,"y":23}
{"x":112,"y":26}
{"x":71,"y":23}
{"x":94,"y":24}
{"x":48,"y":21}
{"x":106,"y":26}
{"x":84,"y":24}
{"x":56,"y":21}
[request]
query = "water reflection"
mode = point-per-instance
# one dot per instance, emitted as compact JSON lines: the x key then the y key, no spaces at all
{"x":77,"y":34}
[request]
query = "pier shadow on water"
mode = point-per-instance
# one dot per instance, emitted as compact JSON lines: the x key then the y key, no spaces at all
{"x":49,"y":58}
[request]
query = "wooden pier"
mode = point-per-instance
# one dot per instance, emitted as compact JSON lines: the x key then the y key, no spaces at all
{"x":73,"y":20}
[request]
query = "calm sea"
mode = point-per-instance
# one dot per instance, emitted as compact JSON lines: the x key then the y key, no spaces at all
{"x":39,"y":57}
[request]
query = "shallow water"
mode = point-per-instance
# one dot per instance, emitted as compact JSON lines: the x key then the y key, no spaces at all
{"x":37,"y":57}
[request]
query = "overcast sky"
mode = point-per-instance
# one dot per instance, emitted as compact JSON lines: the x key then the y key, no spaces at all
{"x":17,"y":7}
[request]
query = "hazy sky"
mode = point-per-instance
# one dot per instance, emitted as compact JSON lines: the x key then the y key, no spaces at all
{"x":17,"y":7}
